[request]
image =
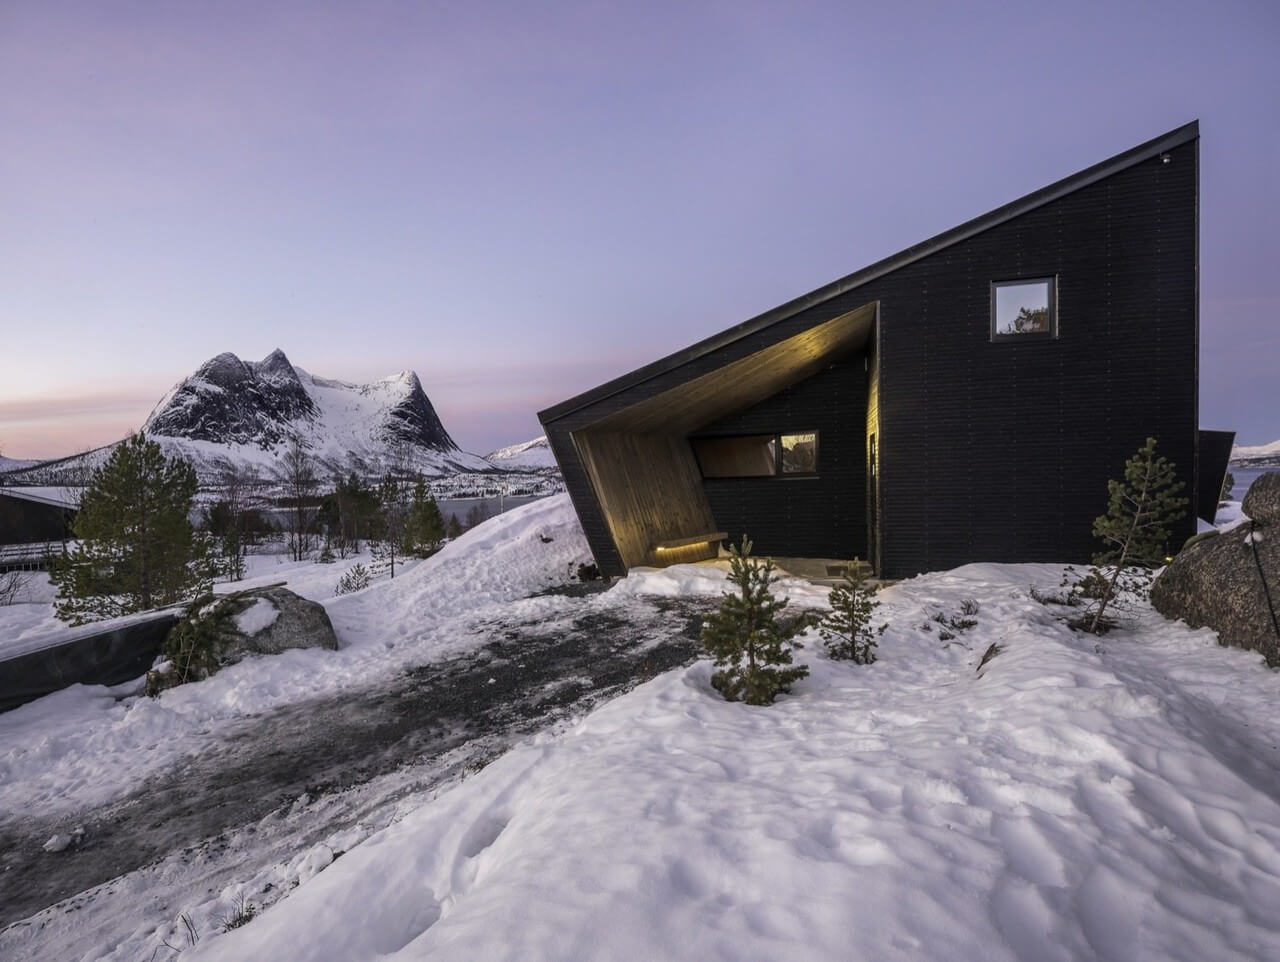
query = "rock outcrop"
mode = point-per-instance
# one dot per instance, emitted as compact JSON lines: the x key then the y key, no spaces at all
{"x":267,"y":621}
{"x":1262,"y":500}
{"x":218,"y":632}
{"x":1230,"y":582}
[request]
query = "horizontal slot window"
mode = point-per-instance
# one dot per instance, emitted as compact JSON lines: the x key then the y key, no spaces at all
{"x":757,"y":455}
{"x":746,"y":457}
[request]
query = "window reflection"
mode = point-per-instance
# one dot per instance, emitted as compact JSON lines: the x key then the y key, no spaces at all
{"x":1022,"y":307}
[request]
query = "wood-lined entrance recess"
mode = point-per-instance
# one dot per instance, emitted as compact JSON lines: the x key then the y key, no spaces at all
{"x":640,"y":463}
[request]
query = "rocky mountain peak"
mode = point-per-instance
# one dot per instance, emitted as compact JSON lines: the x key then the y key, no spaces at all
{"x":413,"y":419}
{"x":275,"y":364}
{"x":228,"y":401}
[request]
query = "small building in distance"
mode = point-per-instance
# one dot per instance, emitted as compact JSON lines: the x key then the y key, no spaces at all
{"x":966,"y":399}
{"x":31,"y":515}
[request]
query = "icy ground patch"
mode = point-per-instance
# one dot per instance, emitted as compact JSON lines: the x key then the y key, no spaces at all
{"x":1075,"y":798}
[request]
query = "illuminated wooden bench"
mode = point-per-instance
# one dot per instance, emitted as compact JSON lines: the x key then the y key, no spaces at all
{"x":675,"y":550}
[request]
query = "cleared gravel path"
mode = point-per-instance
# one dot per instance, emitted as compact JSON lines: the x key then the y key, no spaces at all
{"x":425,"y":728}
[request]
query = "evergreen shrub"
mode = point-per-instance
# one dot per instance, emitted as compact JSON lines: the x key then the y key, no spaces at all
{"x":752,"y":646}
{"x":846,"y":629}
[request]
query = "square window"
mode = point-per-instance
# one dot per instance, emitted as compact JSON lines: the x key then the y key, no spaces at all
{"x":1024,"y":309}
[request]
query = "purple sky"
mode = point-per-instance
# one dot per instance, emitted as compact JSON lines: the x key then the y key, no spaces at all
{"x":521,"y":200}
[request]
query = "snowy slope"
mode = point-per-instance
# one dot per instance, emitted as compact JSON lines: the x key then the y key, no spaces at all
{"x":1071,"y":800}
{"x":82,"y":746}
{"x":530,"y":455}
{"x":13,"y":464}
{"x":1076,"y":798}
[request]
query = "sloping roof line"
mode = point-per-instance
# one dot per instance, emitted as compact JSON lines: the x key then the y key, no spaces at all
{"x":1129,"y":158}
{"x":58,"y":497}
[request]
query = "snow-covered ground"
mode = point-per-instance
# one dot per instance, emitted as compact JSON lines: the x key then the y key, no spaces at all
{"x":30,"y":615}
{"x":1075,"y":798}
{"x":88,"y":744}
{"x":31,"y":620}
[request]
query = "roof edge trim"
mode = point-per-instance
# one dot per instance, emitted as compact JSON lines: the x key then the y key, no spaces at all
{"x":1037,"y":198}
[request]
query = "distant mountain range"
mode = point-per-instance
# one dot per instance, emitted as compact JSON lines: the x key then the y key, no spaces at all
{"x":14,"y":464}
{"x":1256,"y":454}
{"x":530,"y":456}
{"x":235,"y":412}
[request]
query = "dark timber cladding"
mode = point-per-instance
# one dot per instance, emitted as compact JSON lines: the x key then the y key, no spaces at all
{"x":939,"y":442}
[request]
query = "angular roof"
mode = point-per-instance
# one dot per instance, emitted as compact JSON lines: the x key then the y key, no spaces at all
{"x":58,"y":497}
{"x":1136,"y":155}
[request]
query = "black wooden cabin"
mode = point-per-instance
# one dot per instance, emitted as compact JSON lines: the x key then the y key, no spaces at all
{"x":32,"y":515}
{"x":964,"y":400}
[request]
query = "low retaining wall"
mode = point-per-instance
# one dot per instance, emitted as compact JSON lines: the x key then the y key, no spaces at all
{"x":89,"y":655}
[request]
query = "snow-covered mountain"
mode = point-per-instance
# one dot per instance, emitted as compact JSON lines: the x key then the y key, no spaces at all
{"x":234,"y":411}
{"x":14,"y":464}
{"x":528,"y":456}
{"x":1264,"y":453}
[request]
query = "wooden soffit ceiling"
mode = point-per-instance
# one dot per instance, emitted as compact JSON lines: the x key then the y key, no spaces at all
{"x":682,"y":409}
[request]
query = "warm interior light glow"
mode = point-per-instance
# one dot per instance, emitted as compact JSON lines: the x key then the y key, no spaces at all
{"x":682,"y":547}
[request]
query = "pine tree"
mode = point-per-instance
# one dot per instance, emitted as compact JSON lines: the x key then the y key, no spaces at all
{"x":746,"y":637}
{"x":426,"y":524}
{"x":137,"y":547}
{"x":453,"y":528}
{"x":1135,"y":530}
{"x":392,"y":524}
{"x":846,"y":629}
{"x":478,"y":513}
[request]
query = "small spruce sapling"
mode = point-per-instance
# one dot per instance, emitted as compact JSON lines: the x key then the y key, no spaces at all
{"x":191,"y":647}
{"x":355,"y":578}
{"x":751,"y":645}
{"x":1135,"y":530}
{"x":846,"y":629}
